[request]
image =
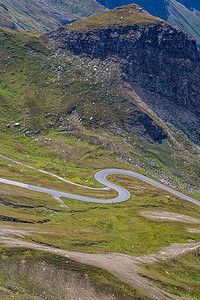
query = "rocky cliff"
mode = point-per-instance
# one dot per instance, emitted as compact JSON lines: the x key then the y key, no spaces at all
{"x":180,"y":13}
{"x":161,"y":62}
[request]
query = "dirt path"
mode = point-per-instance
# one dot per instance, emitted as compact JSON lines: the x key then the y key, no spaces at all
{"x":163,"y":216}
{"x":62,"y":203}
{"x":19,"y":232}
{"x":125,"y":267}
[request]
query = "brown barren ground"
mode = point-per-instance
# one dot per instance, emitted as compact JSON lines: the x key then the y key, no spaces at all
{"x":165,"y":216}
{"x":126,"y":267}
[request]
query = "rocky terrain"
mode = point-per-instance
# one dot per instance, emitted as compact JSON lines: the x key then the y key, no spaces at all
{"x":182,"y":13}
{"x":122,"y":73}
{"x":160,"y":62}
{"x":47,"y":15}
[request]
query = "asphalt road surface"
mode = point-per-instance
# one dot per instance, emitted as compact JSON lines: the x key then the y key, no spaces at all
{"x":100,"y":176}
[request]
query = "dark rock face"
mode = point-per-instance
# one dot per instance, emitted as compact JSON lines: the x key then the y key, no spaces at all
{"x":145,"y":125}
{"x":158,"y":59}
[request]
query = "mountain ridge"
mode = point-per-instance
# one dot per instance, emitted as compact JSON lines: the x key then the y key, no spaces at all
{"x":40,"y":15}
{"x":180,"y":13}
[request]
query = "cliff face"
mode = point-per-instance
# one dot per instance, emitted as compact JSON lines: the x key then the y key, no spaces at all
{"x":180,"y":13}
{"x":157,"y":57}
{"x":161,"y":62}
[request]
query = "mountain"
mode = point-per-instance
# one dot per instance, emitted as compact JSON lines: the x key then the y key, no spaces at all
{"x":155,"y":7}
{"x":149,"y":60}
{"x":184,"y":19}
{"x":115,"y":60}
{"x":183,"y":14}
{"x":47,"y":15}
{"x":43,"y":15}
{"x":116,"y":90}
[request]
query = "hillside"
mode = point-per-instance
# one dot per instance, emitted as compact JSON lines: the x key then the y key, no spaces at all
{"x":116,"y":90}
{"x":184,"y":19}
{"x":122,"y":89}
{"x":183,"y":14}
{"x":44,"y":15}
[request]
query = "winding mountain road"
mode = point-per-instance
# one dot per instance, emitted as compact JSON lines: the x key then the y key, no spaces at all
{"x":51,"y":174}
{"x":100,"y":176}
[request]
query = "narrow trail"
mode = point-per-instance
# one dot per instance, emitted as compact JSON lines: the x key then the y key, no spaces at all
{"x":100,"y":176}
{"x":62,"y":203}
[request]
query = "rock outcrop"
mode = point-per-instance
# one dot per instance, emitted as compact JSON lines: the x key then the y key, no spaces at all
{"x":161,"y":62}
{"x":142,"y":124}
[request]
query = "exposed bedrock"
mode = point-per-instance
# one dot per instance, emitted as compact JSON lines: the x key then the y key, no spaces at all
{"x":161,"y":62}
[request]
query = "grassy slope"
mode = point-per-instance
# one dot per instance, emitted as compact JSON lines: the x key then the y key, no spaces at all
{"x":79,"y":8}
{"x":43,"y":92}
{"x":184,"y":19}
{"x":122,"y":16}
{"x":58,"y":95}
{"x":88,"y":227}
{"x":180,"y":277}
{"x":36,"y":15}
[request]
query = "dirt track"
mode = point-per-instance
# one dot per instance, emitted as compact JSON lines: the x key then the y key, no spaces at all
{"x":125,"y":267}
{"x":163,"y":216}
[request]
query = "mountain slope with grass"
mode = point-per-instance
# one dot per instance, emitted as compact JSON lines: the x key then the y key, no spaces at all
{"x":185,"y":19}
{"x":44,"y":15}
{"x":74,"y":75}
{"x":116,"y":90}
{"x":48,"y":15}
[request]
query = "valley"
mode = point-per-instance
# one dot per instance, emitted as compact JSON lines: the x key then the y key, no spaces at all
{"x":104,"y":109}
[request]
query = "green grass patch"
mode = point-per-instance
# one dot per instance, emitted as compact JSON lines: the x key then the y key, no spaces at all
{"x":180,"y":276}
